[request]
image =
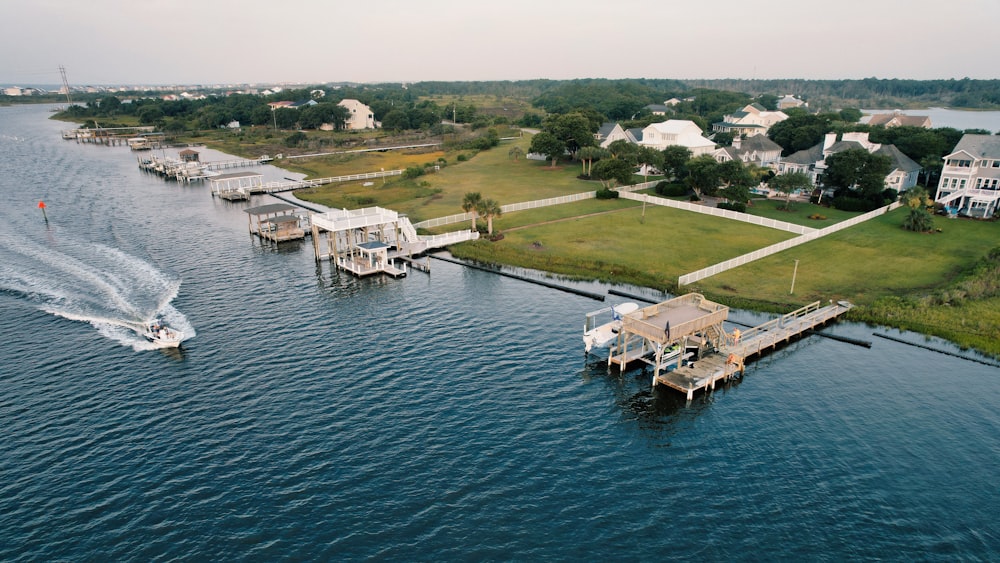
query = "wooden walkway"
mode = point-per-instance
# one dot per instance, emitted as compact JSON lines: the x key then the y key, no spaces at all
{"x":730,"y":358}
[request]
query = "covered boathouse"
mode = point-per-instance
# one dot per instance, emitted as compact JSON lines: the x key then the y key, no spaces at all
{"x":363,"y":241}
{"x":237,"y":185}
{"x":276,"y":222}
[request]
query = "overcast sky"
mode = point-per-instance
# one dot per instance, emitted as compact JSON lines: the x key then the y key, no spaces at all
{"x":315,"y":41}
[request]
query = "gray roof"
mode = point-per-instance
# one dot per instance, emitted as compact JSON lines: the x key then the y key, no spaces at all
{"x":636,"y":133}
{"x":759,"y":143}
{"x":980,"y":146}
{"x":373,"y":245}
{"x":232,"y":175}
{"x":840,"y":146}
{"x":657,"y":107}
{"x":812,"y":155}
{"x":899,"y":160}
{"x":606,"y":129}
{"x":268,"y":209}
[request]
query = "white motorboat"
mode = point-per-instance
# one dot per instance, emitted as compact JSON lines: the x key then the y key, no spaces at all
{"x":161,"y":335}
{"x":602,"y":326}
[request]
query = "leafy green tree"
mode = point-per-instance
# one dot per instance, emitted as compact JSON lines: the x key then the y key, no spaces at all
{"x":396,"y":120}
{"x":548,"y":144}
{"x":624,"y":150}
{"x":286,"y":118}
{"x":737,"y":181}
{"x":150,"y":115}
{"x":790,"y":183}
{"x":575,"y":130}
{"x":703,"y":174}
{"x":648,"y":157}
{"x":859,"y":170}
{"x":850,"y":115}
{"x":801,"y":131}
{"x":612,"y":172}
{"x":470,"y":204}
{"x":515,"y":152}
{"x":675,"y":159}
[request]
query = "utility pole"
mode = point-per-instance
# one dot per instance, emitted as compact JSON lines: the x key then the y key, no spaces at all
{"x":795,"y":271}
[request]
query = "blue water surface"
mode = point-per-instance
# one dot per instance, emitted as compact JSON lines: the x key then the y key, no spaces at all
{"x":440,"y":416}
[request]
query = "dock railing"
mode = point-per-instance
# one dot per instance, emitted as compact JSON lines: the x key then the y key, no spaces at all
{"x":764,"y":336}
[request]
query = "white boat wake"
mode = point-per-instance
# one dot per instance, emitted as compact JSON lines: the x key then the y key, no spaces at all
{"x":115,"y":292}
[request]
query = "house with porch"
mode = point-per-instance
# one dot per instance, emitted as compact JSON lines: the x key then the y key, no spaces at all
{"x":812,"y":161}
{"x":757,"y":149}
{"x":752,"y":120}
{"x":898,"y":119}
{"x":676,"y":132}
{"x":970,"y":177}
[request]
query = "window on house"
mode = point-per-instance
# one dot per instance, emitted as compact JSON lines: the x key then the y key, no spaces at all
{"x":961,"y":184}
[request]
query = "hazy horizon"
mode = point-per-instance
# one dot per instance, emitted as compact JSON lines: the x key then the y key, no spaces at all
{"x":206,"y":42}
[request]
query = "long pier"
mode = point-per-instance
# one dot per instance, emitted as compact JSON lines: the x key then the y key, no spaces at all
{"x":686,"y":343}
{"x":736,"y":348}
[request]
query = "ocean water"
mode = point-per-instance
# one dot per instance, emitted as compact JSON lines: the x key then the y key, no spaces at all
{"x":442,"y":416}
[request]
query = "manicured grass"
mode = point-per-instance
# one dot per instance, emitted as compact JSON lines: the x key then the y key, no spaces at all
{"x":624,"y":247}
{"x":800,"y":213}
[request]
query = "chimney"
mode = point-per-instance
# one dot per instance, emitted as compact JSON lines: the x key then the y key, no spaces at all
{"x":737,"y":139}
{"x":829,"y":140}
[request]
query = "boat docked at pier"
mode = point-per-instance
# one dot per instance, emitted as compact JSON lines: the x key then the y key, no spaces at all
{"x":601,"y":326}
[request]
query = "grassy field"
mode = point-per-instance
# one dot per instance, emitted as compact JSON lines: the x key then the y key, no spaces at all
{"x":888,"y":272}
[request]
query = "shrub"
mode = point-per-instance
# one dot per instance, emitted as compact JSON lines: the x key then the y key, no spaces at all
{"x":668,"y":189}
{"x":412,"y":172}
{"x":605,"y":193}
{"x":462,"y":157}
{"x":733,"y":206}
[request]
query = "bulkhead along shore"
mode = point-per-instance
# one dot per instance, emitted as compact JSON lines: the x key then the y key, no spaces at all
{"x":768,"y":201}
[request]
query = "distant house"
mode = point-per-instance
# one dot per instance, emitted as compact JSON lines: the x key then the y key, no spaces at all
{"x":611,"y":132}
{"x":812,"y":161}
{"x":278,"y":105}
{"x":897,"y":119}
{"x":361,"y":116}
{"x":676,"y":132}
{"x":970,"y":177}
{"x":757,"y":149}
{"x":752,"y":120}
{"x":658,"y":109}
{"x":790,"y":101}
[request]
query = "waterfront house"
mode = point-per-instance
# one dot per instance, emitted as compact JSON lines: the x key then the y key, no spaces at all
{"x":970,"y":177}
{"x":897,"y":119}
{"x":757,"y":149}
{"x":812,"y":161}
{"x":752,"y":120}
{"x":790,"y":101}
{"x":676,"y":132}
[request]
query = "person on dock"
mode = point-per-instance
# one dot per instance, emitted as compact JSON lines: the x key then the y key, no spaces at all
{"x":736,"y":336}
{"x":666,"y":330}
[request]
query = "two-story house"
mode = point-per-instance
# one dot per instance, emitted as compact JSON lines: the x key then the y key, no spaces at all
{"x":752,"y":120}
{"x":676,"y":132}
{"x":757,"y":149}
{"x":812,"y":161}
{"x":361,"y":116}
{"x":970,"y":178}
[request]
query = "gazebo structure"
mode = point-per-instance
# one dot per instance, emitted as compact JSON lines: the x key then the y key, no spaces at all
{"x":276,"y":222}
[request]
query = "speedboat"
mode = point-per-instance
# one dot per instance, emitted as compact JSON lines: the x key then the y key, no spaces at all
{"x":161,"y":335}
{"x":598,"y":334}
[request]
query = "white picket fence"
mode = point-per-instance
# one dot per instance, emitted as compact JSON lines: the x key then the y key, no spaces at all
{"x":430,"y":223}
{"x":781,"y":246}
{"x":716,"y":212}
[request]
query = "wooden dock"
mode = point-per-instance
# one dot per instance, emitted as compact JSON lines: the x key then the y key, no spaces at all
{"x":686,"y":343}
{"x":729,"y":358}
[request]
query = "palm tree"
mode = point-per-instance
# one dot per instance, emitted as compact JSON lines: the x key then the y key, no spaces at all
{"x":470,"y":204}
{"x":587,"y":155}
{"x":919,"y":219}
{"x":515,"y":152}
{"x":489,"y":208}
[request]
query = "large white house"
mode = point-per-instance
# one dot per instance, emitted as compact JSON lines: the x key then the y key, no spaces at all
{"x":361,"y":115}
{"x":812,"y":161}
{"x":970,"y":178}
{"x":757,"y":149}
{"x":676,"y":132}
{"x":753,"y":119}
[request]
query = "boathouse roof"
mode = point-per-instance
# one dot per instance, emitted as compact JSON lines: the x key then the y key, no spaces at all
{"x":232,"y":175}
{"x":271,"y":208}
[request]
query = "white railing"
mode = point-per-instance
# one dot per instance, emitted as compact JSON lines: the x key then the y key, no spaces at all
{"x":784,"y":245}
{"x":716,"y":212}
{"x":408,"y":231}
{"x":450,"y":219}
{"x":437,"y":241}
